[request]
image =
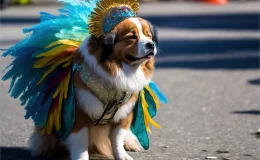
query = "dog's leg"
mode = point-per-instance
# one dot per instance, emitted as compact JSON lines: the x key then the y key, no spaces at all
{"x":117,"y":140}
{"x":77,"y":143}
{"x":131,"y":142}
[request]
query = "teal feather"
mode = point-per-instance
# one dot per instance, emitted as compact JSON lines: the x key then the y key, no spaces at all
{"x":138,"y":125}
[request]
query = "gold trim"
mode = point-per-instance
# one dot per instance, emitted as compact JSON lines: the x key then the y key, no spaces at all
{"x":102,"y":8}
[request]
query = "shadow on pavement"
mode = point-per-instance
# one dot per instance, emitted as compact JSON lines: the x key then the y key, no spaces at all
{"x":209,"y":54}
{"x":15,"y":153}
{"x":254,"y":82}
{"x":19,"y":153}
{"x":251,"y":112}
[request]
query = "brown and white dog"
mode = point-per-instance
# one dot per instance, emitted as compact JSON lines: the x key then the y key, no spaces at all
{"x":124,"y":59}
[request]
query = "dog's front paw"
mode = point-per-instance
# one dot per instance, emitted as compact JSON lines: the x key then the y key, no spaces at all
{"x":133,"y":146}
{"x":123,"y":157}
{"x":132,"y":143}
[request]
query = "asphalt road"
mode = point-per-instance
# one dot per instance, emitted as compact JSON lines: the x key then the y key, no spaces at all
{"x":208,"y":67}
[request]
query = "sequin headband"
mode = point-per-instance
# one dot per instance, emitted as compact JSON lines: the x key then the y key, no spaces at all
{"x":109,"y":13}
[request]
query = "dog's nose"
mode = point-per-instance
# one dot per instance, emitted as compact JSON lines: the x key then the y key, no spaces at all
{"x":149,"y":45}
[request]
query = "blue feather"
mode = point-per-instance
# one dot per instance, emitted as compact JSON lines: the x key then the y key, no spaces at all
{"x":158,"y":93}
{"x":12,"y":85}
{"x":33,"y":106}
{"x":40,"y":118}
{"x":44,"y":16}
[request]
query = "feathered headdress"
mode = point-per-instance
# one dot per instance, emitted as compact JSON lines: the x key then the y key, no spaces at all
{"x":42,"y":71}
{"x":109,"y":13}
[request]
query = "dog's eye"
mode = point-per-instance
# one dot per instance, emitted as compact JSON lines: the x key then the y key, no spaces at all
{"x":131,"y":37}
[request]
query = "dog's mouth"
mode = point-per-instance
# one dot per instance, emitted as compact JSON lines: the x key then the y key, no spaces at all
{"x":132,"y":58}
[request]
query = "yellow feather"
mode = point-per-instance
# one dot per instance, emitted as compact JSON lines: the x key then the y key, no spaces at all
{"x":50,"y":124}
{"x":58,"y":127}
{"x":144,"y":106}
{"x":147,"y":117}
{"x":67,"y":80}
{"x":53,"y":67}
{"x":64,"y":42}
{"x":57,"y":91}
{"x":61,"y":97}
{"x":43,"y":130}
{"x":67,"y":64}
{"x":43,"y":62}
{"x":57,"y":113}
{"x":53,"y":52}
{"x":153,"y":96}
{"x":56,"y":120}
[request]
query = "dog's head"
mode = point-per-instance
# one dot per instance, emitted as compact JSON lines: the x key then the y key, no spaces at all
{"x":133,"y":42}
{"x":126,"y":53}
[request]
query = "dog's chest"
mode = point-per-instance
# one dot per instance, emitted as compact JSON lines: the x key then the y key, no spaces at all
{"x":94,"y":108}
{"x":98,"y":99}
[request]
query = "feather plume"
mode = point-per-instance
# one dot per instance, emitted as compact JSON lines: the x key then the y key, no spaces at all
{"x":45,"y":56}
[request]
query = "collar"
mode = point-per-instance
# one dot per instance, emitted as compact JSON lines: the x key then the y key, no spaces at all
{"x":111,"y":98}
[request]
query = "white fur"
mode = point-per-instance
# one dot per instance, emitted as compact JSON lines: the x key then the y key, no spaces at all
{"x":123,"y":111}
{"x":143,"y":40}
{"x":117,"y":140}
{"x":90,"y":104}
{"x":131,"y":142}
{"x":77,"y":143}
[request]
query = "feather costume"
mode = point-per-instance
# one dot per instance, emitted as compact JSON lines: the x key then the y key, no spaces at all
{"x":42,"y":71}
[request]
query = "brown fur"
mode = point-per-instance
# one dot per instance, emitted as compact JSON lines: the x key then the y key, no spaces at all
{"x":148,"y":67}
{"x":126,"y":46}
{"x":125,"y":123}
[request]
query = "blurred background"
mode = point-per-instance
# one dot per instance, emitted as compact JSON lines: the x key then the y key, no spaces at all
{"x":207,"y":65}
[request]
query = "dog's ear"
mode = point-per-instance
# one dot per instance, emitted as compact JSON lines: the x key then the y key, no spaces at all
{"x":108,"y":46}
{"x":154,"y":33}
{"x":110,"y":38}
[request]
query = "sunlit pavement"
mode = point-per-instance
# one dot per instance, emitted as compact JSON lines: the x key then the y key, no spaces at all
{"x":208,"y":66}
